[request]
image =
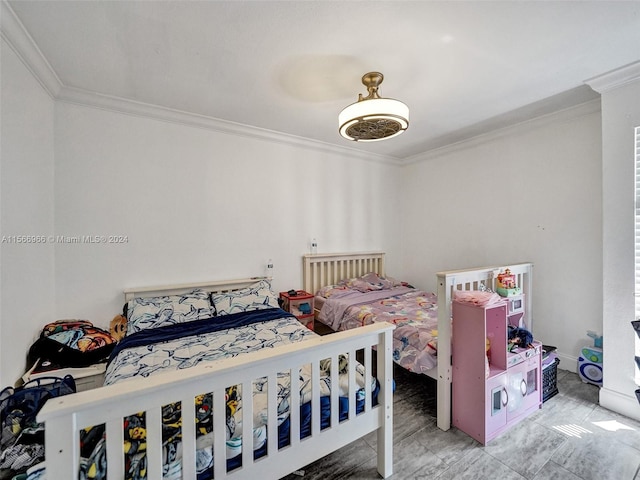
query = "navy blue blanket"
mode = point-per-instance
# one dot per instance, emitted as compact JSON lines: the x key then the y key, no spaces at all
{"x":197,"y":327}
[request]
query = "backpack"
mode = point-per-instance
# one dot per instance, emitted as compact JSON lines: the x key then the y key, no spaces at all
{"x":72,"y":343}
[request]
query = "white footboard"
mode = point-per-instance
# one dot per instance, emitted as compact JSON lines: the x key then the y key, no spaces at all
{"x":64,"y":417}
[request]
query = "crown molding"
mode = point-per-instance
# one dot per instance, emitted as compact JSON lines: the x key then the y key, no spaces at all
{"x":15,"y":34}
{"x":87,"y":98}
{"x":560,"y":116}
{"x":615,"y":78}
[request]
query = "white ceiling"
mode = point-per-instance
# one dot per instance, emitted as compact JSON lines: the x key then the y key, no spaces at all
{"x":291,"y":66}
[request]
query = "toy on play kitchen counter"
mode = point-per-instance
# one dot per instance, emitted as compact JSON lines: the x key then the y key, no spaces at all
{"x":506,"y":285}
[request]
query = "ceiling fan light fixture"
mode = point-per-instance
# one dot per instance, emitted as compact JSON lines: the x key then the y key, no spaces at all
{"x":373,"y":118}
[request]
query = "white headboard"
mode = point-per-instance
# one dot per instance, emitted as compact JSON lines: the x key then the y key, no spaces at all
{"x":476,"y":278}
{"x":216,"y":286}
{"x":324,"y":269}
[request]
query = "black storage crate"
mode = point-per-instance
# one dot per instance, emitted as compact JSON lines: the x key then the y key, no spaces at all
{"x":549,"y":380}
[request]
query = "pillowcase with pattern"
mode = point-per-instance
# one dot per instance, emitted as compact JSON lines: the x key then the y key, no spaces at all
{"x":330,"y":290}
{"x":155,"y":312}
{"x":257,"y":296}
{"x":369,"y":282}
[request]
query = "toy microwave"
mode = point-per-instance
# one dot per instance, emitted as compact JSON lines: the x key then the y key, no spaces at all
{"x":515,"y":304}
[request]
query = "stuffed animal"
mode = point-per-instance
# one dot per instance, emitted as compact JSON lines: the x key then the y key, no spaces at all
{"x":519,"y":337}
{"x":118,"y":327}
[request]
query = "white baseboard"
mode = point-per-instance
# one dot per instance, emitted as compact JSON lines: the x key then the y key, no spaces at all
{"x":567,"y":362}
{"x":626,"y":405}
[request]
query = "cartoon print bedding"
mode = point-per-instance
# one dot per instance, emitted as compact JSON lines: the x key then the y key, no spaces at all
{"x":150,"y":352}
{"x":364,"y":300}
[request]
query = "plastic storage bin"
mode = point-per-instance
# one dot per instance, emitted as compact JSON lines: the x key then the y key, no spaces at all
{"x":549,"y":379}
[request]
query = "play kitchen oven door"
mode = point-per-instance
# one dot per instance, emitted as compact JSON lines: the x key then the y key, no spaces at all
{"x":523,"y":387}
{"x":514,"y":392}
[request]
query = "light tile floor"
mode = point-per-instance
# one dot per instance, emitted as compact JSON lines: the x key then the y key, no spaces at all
{"x":570,"y":438}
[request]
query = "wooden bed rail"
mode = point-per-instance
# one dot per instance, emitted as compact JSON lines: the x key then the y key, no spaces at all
{"x":65,"y":416}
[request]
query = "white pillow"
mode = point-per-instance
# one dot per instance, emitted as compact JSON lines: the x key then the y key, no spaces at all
{"x":155,"y":312}
{"x":257,"y":296}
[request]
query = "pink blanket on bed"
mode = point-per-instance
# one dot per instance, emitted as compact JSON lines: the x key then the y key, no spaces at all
{"x":334,"y":307}
{"x":413,"y":312}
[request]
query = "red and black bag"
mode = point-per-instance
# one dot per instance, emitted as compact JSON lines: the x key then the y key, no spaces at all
{"x":72,"y":343}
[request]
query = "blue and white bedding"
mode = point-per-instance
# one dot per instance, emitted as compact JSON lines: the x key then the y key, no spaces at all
{"x":173,"y":347}
{"x":184,"y":345}
{"x":181,"y":331}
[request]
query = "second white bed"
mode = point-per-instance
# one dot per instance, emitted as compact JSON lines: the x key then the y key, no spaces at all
{"x":322,"y":270}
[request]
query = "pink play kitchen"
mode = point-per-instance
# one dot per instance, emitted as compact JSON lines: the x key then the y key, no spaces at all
{"x":496,"y":362}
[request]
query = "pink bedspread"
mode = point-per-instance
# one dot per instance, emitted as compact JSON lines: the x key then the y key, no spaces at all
{"x":413,"y":312}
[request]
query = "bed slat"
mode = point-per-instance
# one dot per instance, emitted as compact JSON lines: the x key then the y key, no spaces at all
{"x":320,"y":270}
{"x":272,"y":426}
{"x":115,"y":439}
{"x":188,"y":428}
{"x":367,"y":379}
{"x":219,"y":441}
{"x":154,"y":443}
{"x":247,"y":422}
{"x":294,"y":415}
{"x":385,"y":399}
{"x":315,"y":398}
{"x":335,"y":402}
{"x":352,"y":385}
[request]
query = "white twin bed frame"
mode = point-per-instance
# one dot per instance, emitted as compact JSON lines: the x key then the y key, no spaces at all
{"x":65,"y":416}
{"x":327,"y":269}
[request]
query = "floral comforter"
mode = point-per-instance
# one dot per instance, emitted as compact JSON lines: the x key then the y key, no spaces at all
{"x":414,"y":312}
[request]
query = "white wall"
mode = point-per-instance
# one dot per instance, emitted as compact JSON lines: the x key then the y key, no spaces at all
{"x":26,"y":201}
{"x":620,"y":115}
{"x":529,"y":193}
{"x":198,"y":205}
